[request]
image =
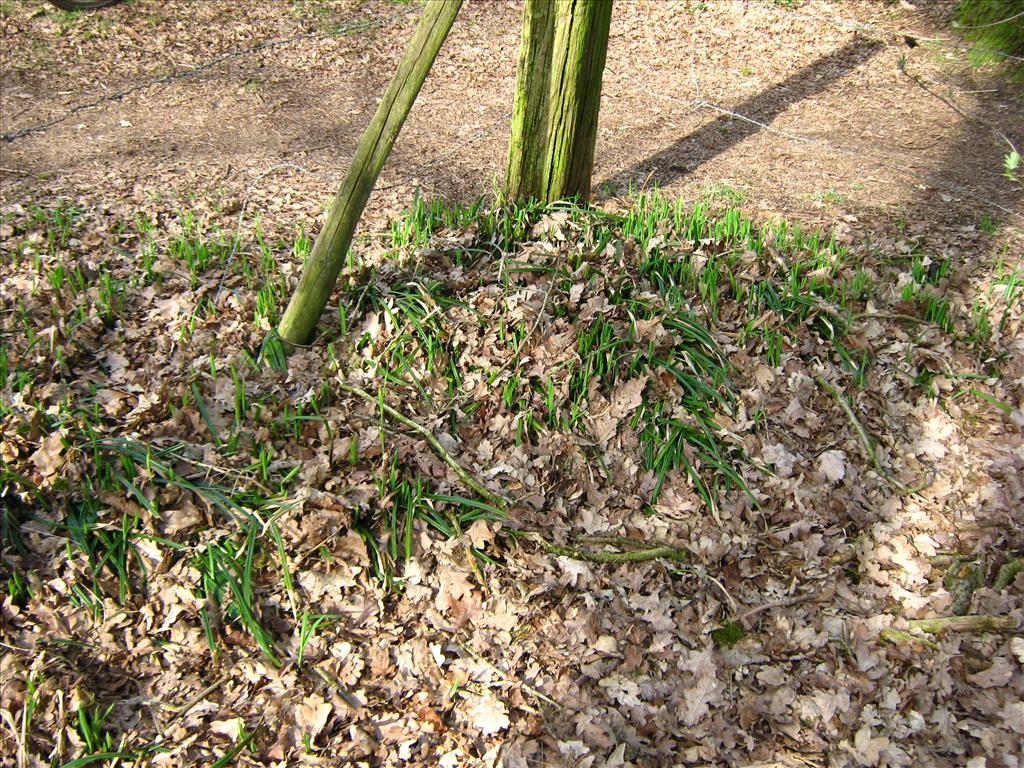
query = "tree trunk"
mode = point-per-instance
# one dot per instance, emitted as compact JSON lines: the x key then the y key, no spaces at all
{"x":525,"y":177}
{"x":328,"y":257}
{"x":558,"y":96}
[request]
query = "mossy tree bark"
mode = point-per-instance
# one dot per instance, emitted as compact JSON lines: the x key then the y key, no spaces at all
{"x":558,"y":96}
{"x":526,"y":158}
{"x":328,"y":256}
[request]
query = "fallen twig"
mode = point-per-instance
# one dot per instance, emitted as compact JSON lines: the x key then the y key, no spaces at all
{"x":971,"y":624}
{"x":974,"y":623}
{"x":902,"y":637}
{"x":495,"y":668}
{"x":1008,"y":572}
{"x":635,"y":551}
{"x":185,"y":708}
{"x":866,"y":442}
{"x":890,"y":316}
{"x":467,"y":479}
{"x":514,"y":357}
{"x":785,"y":602}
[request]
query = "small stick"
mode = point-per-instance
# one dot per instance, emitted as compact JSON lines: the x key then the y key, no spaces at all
{"x":702,"y":573}
{"x":185,"y":708}
{"x":974,"y":623}
{"x":865,"y":440}
{"x":643,"y":553}
{"x":783,"y":603}
{"x":522,"y":344}
{"x":1008,"y":572}
{"x":636,"y":551}
{"x":890,"y":316}
{"x":467,"y":479}
{"x":495,"y":668}
{"x":902,"y":637}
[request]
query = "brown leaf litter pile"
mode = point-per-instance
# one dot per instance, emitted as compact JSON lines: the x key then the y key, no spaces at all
{"x":885,"y":481}
{"x":784,"y":636}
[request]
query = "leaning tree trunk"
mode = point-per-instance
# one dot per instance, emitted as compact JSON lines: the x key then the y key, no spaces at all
{"x":558,"y":95}
{"x":325,"y":262}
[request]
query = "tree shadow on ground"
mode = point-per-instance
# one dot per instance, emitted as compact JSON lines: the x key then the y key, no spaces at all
{"x":725,"y":131}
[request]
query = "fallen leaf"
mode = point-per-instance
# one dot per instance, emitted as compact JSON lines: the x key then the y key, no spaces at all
{"x":627,"y":397}
{"x":489,"y":714}
{"x":867,"y":749}
{"x":832,"y":464}
{"x":996,"y":676}
{"x":231,"y":727}
{"x":777,"y":455}
{"x":185,"y":516}
{"x":49,"y":457}
{"x":480,"y":534}
{"x":311,"y":715}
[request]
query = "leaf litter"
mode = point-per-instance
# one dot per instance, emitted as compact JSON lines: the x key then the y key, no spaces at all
{"x":143,"y":451}
{"x":466,"y":642}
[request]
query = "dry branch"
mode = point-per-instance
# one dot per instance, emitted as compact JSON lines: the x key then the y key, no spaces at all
{"x":867,"y":443}
{"x":467,"y":479}
{"x":635,"y":551}
{"x":974,"y":623}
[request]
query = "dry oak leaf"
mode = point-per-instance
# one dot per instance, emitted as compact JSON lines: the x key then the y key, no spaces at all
{"x":627,"y":397}
{"x":1013,"y":716}
{"x":480,"y":534}
{"x":489,"y":714}
{"x":186,"y":516}
{"x":832,"y":465}
{"x":867,"y":749}
{"x":311,"y":716}
{"x":783,"y":460}
{"x":232,"y":727}
{"x":1017,"y":647}
{"x":996,"y":676}
{"x":704,"y":691}
{"x":455,"y":595}
{"x":49,"y":457}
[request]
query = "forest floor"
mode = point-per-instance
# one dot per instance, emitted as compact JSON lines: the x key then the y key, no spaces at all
{"x":725,"y":438}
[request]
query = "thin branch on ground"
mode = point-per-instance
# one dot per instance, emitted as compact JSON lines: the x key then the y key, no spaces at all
{"x":699,"y":103}
{"x":187,"y":707}
{"x":889,"y":316}
{"x":867,"y":443}
{"x":898,"y":34}
{"x":785,"y":602}
{"x":958,"y":25}
{"x":1008,"y":573}
{"x":467,"y":479}
{"x":701,"y":572}
{"x":237,"y":239}
{"x":635,"y":551}
{"x":973,"y":624}
{"x":902,"y":637}
{"x":919,"y":82}
{"x":638,"y":552}
{"x":495,"y":668}
{"x":533,"y":329}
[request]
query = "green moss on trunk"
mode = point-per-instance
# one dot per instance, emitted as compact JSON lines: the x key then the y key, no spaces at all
{"x":325,"y":262}
{"x":558,"y":97}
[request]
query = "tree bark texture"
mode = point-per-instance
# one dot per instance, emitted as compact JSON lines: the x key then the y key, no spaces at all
{"x":328,"y":256}
{"x":526,"y":156}
{"x":558,"y":97}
